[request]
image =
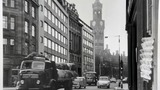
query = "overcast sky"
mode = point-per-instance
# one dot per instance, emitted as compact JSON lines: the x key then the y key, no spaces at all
{"x":113,"y":12}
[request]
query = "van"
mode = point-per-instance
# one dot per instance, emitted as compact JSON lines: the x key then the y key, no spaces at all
{"x":79,"y":82}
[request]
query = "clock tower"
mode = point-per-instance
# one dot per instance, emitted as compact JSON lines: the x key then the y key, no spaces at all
{"x":98,"y":27}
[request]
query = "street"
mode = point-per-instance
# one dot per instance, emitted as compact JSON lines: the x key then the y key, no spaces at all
{"x":112,"y":86}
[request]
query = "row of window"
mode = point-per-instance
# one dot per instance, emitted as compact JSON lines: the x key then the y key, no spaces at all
{"x":6,"y":42}
{"x":9,"y":3}
{"x":56,"y":9}
{"x":33,"y":29}
{"x":86,"y":50}
{"x":55,"y":20}
{"x":55,"y":58}
{"x":87,"y":35}
{"x":8,"y":46}
{"x":26,"y":9}
{"x":8,"y":23}
{"x":54,"y":46}
{"x":87,"y":59}
{"x":87,"y":43}
{"x":55,"y":33}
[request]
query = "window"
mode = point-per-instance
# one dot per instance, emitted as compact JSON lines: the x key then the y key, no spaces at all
{"x":56,"y":9}
{"x":45,"y":11}
{"x":61,"y":38}
{"x":49,"y":2}
{"x":4,"y":41}
{"x":26,"y":6}
{"x":52,"y":5}
{"x":12,"y":23}
{"x":56,"y":47}
{"x":53,"y":18}
{"x":4,"y":45}
{"x":53,"y":46}
{"x":56,"y":21}
{"x":59,"y":48}
{"x":45,"y":41}
{"x":33,"y":30}
{"x":49,"y":43}
{"x":5,"y":22}
{"x":5,"y":2}
{"x":56,"y":34}
{"x":53,"y":58}
{"x":33,"y":12}
{"x":26,"y":27}
{"x":59,"y":24}
{"x":49,"y":15}
{"x":62,"y":26}
{"x":11,"y":41}
{"x":49,"y":29}
{"x":45,"y":26}
{"x":53,"y":32}
{"x":12,"y":3}
{"x":26,"y":48}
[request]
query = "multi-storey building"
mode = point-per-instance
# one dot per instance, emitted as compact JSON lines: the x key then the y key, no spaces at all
{"x":20,"y":25}
{"x":143,"y":28}
{"x":88,"y":58}
{"x":75,"y":30}
{"x":53,"y":34}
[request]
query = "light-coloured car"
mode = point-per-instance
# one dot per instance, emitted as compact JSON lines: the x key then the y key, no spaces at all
{"x":79,"y":82}
{"x":113,"y":80}
{"x":103,"y":82}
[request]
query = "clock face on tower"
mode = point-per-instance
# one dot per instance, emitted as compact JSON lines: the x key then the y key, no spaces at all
{"x":93,"y":23}
{"x":101,"y":23}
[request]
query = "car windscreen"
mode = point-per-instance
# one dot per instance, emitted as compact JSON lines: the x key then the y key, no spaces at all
{"x":33,"y":65}
{"x":90,"y":75}
{"x":78,"y":79}
{"x":103,"y":78}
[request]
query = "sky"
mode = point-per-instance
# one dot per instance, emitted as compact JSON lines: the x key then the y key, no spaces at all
{"x":113,"y":12}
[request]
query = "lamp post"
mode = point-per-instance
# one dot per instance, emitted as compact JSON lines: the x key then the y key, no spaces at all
{"x":119,"y":59}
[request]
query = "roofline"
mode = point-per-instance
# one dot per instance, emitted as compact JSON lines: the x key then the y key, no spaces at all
{"x":85,"y":24}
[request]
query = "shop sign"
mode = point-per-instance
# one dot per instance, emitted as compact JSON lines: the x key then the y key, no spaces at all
{"x":146,"y":57}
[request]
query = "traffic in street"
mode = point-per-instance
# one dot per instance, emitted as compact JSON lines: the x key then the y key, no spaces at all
{"x":113,"y":86}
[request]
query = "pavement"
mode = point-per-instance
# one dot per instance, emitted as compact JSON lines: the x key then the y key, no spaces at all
{"x":125,"y":87}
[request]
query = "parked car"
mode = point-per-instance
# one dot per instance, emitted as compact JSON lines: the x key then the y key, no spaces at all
{"x":103,"y":82}
{"x":113,"y":80}
{"x":79,"y":82}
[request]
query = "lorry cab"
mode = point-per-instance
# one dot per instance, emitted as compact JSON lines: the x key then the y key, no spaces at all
{"x":91,"y":78}
{"x":37,"y":73}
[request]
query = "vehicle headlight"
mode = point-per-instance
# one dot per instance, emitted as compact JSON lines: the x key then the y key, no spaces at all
{"x":38,"y":81}
{"x":22,"y":81}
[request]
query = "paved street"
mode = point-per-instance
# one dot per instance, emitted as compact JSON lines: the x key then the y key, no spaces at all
{"x":112,"y":86}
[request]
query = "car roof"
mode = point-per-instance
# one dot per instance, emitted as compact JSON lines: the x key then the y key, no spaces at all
{"x":103,"y":77}
{"x":80,"y":77}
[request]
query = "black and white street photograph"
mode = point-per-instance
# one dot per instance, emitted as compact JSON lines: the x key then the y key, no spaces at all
{"x":80,"y":45}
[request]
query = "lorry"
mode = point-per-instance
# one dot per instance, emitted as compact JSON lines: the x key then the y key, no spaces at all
{"x":91,"y":78}
{"x":39,"y":73}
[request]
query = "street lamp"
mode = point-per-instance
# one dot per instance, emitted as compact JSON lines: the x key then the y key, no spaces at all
{"x":119,"y":57}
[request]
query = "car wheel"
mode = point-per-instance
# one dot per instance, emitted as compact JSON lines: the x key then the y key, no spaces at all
{"x":79,"y":87}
